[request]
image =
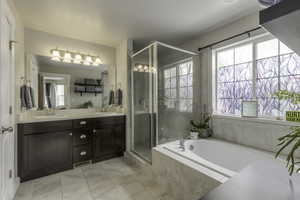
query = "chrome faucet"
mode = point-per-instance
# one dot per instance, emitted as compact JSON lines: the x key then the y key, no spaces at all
{"x":182,"y":143}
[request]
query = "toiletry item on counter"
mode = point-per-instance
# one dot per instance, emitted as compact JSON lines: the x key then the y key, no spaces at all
{"x":111,"y":97}
{"x":119,"y":97}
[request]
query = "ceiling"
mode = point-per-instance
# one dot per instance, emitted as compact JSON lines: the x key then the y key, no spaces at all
{"x":110,"y":21}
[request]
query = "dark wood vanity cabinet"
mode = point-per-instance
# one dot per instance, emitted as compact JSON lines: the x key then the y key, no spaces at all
{"x":44,"y":148}
{"x":109,"y":138}
{"x":49,"y":147}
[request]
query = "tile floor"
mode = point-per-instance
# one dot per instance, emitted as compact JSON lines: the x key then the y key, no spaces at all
{"x":108,"y":180}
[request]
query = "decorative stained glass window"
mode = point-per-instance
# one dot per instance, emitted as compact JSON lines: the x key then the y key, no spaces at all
{"x":234,"y":78}
{"x":276,"y":67}
{"x":185,"y":86}
{"x":178,"y":86}
{"x":170,"y":87}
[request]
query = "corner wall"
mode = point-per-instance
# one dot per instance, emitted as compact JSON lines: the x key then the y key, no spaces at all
{"x":261,"y":134}
{"x":122,"y":81}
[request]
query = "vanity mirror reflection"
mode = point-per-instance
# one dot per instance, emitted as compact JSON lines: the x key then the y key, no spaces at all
{"x":65,"y":84}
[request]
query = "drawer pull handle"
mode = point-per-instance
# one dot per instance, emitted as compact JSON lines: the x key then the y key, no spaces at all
{"x":94,"y":131}
{"x":83,"y":153}
{"x":82,"y":136}
{"x":70,"y":134}
{"x":83,"y":123}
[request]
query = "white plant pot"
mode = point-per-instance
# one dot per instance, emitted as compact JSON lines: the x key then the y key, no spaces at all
{"x":194,"y":135}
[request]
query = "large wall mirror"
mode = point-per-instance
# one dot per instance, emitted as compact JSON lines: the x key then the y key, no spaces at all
{"x":61,"y":85}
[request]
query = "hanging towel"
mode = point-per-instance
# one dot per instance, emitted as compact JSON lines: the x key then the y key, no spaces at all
{"x":48,"y":97}
{"x":120,"y":97}
{"x":29,"y":99}
{"x":23,"y":96}
{"x":26,"y":97}
{"x":32,"y":96}
{"x":111,"y":97}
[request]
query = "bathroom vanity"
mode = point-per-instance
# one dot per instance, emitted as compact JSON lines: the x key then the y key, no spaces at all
{"x":46,"y":147}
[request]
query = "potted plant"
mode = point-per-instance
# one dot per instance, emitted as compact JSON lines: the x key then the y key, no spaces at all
{"x":293,"y":137}
{"x":200,"y":128}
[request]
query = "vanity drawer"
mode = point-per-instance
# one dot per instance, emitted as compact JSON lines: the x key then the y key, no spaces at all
{"x":82,"y":123}
{"x":83,"y":136}
{"x":109,"y":121}
{"x":43,"y":127}
{"x":82,"y":153}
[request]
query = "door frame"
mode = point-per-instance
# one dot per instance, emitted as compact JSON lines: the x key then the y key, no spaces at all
{"x":6,"y":12}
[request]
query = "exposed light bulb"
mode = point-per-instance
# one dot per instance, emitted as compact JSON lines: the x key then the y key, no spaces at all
{"x":98,"y":61}
{"x":55,"y":55}
{"x":152,"y":69}
{"x":88,"y":60}
{"x":77,"y":59}
{"x":67,"y":57}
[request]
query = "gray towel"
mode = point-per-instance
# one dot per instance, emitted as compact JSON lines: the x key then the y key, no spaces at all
{"x":111,"y":97}
{"x":26,"y":97}
{"x":120,"y":97}
{"x":23,"y":96}
{"x":32,"y":97}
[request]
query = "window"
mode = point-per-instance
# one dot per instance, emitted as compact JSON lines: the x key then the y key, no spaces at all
{"x":60,"y":95}
{"x":170,"y":79}
{"x":185,"y":87}
{"x":178,"y":86}
{"x":256,"y":70}
{"x":234,"y":78}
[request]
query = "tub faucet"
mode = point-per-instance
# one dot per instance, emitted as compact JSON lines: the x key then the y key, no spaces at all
{"x":182,"y":143}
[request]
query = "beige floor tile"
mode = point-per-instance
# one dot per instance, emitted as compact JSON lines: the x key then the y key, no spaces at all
{"x":109,"y":180}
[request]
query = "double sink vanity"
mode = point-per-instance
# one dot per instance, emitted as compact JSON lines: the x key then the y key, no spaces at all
{"x":52,"y":143}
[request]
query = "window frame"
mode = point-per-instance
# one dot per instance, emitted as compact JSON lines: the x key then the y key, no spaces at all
{"x":254,"y":41}
{"x":178,"y":98}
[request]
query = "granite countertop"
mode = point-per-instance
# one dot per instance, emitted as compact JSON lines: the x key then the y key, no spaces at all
{"x":263,"y":180}
{"x":61,"y":117}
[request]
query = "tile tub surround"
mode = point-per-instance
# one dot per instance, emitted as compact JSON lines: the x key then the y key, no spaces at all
{"x":258,"y":133}
{"x":181,"y":178}
{"x":109,"y":180}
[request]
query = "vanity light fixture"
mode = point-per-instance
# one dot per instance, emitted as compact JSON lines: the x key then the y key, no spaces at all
{"x":67,"y":57}
{"x":75,"y":57}
{"x":144,"y":68}
{"x":97,"y":62}
{"x":78,"y":59}
{"x":55,"y":55}
{"x":88,"y":60}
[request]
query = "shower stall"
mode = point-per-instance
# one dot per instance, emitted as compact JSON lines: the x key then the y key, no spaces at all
{"x":163,"y":96}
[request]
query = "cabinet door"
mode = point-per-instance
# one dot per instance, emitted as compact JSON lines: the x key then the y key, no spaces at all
{"x":104,"y":142}
{"x":120,"y":138}
{"x":46,"y":153}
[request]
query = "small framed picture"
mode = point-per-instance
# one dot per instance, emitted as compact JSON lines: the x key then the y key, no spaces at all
{"x":249,"y":108}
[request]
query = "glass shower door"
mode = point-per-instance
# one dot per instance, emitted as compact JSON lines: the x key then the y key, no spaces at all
{"x":142,"y":103}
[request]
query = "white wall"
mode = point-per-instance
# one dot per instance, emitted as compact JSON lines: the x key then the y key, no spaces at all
{"x":41,"y":43}
{"x":244,"y":24}
{"x":122,"y":78}
{"x":258,"y":134}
